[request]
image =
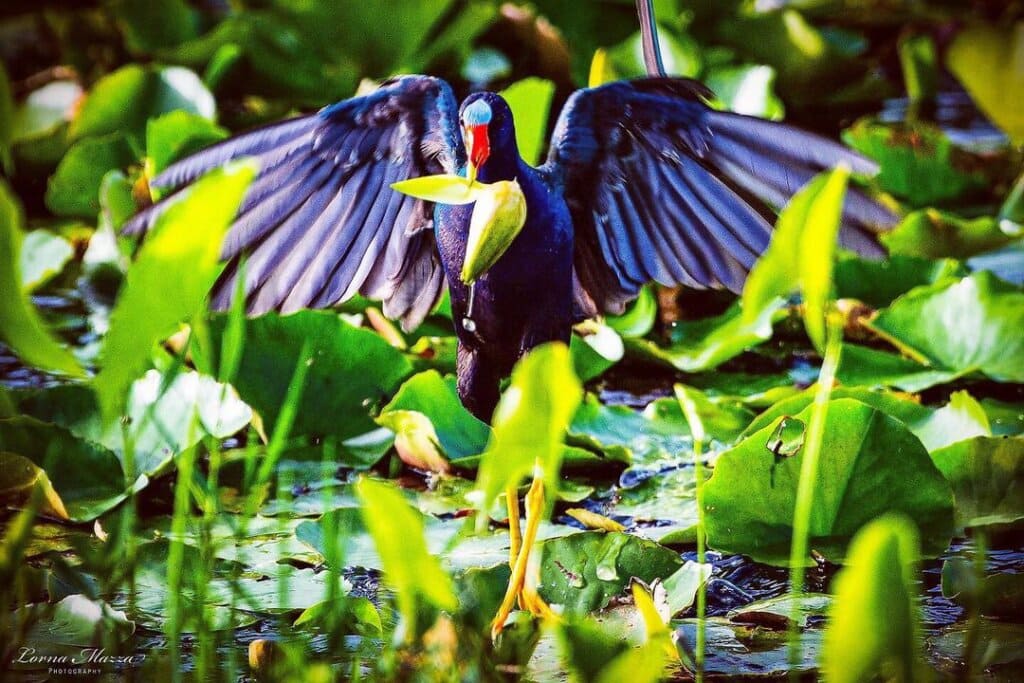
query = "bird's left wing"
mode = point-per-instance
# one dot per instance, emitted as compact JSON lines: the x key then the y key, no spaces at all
{"x":320,"y":222}
{"x":662,"y":187}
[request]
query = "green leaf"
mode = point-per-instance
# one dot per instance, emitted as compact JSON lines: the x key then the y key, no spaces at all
{"x":874,"y":626}
{"x":150,"y":25}
{"x":595,"y":348}
{"x":86,"y":477}
{"x":20,"y":326}
{"x":352,"y":369}
{"x":126,"y":99}
{"x":177,"y":134}
{"x":679,"y":53}
{"x":918,"y":161}
{"x":164,"y":415}
{"x":994,"y":595}
{"x":174,"y":251}
{"x":409,"y":568}
{"x":67,"y":629}
{"x":866,"y":367}
{"x":987,"y":476}
{"x":583,"y":572}
{"x":530,"y":101}
{"x":986,"y":58}
{"x":751,"y":495}
{"x":45,"y":110}
{"x":968,"y":326}
{"x":430,"y":421}
{"x":627,"y":435}
{"x":74,"y":188}
{"x":530,"y":422}
{"x":499,"y":213}
{"x":705,"y":344}
{"x":878,"y":283}
{"x":919,"y":59}
{"x":746,"y":89}
{"x":639,"y":318}
{"x":801,"y":254}
{"x":962,"y":418}
{"x":43,"y":257}
{"x":930,"y":233}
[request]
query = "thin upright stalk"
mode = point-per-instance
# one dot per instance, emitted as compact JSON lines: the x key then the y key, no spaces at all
{"x":699,"y":436}
{"x":809,"y":477}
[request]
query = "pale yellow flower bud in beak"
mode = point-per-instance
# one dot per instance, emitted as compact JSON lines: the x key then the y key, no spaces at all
{"x":498,"y":216}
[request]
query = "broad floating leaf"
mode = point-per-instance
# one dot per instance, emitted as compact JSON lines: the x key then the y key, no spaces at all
{"x":972,"y":325}
{"x":751,"y":494}
{"x":987,"y":59}
{"x":987,"y":475}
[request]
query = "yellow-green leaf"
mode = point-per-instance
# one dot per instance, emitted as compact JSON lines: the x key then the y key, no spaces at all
{"x":20,"y":326}
{"x":444,"y":188}
{"x":989,"y":61}
{"x":498,"y":216}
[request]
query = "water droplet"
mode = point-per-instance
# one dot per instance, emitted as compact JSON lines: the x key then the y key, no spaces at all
{"x":469,"y":325}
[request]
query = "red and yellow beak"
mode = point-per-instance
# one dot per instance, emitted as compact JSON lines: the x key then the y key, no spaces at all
{"x":479,"y":145}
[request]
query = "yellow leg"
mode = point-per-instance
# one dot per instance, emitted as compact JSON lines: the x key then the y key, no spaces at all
{"x":515,"y":531}
{"x":523,"y":583}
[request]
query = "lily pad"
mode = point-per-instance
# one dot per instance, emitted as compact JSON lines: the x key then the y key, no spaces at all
{"x":583,"y":572}
{"x":430,"y":423}
{"x":86,"y":477}
{"x":750,"y":497}
{"x":627,"y":435}
{"x":862,"y":366}
{"x":127,"y":98}
{"x":919,"y":162}
{"x":75,"y":186}
{"x":43,"y":256}
{"x":877,"y":283}
{"x":987,"y":476}
{"x":70,"y":631}
{"x":352,"y":369}
{"x":934,"y":234}
{"x":972,"y":325}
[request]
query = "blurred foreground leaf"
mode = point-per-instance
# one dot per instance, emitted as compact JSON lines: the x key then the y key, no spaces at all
{"x":411,"y":571}
{"x":20,"y":326}
{"x":874,"y":626}
{"x":989,"y":61}
{"x":183,"y":247}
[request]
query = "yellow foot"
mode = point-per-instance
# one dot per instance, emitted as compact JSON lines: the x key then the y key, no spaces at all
{"x":522,"y":586}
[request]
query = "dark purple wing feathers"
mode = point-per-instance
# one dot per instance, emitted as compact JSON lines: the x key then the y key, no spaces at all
{"x":320,"y":223}
{"x":661,"y":187}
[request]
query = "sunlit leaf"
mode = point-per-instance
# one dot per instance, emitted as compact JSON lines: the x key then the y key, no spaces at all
{"x":800,"y":255}
{"x":498,"y":215}
{"x":530,"y":422}
{"x":443,"y":188}
{"x":127,"y":98}
{"x":20,"y":326}
{"x":746,"y":89}
{"x":987,"y":59}
{"x":750,"y":497}
{"x":874,"y":626}
{"x":530,"y":102}
{"x":176,"y":134}
{"x":409,"y":568}
{"x":987,"y":475}
{"x":984,"y":335}
{"x":430,"y":422}
{"x":174,"y":251}
{"x":43,"y":256}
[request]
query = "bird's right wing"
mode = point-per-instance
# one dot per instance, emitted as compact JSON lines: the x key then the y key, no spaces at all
{"x":662,"y":187}
{"x":320,"y":222}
